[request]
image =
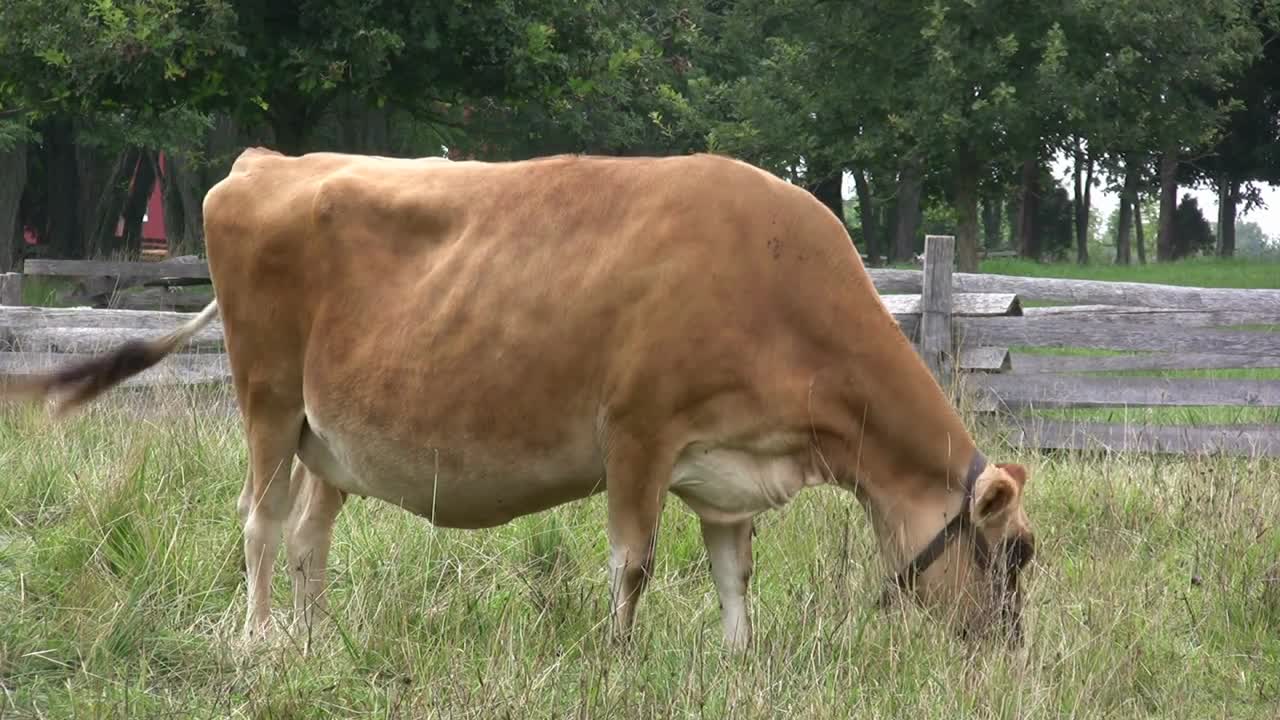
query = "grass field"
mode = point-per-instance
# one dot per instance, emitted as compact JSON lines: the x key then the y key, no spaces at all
{"x":1193,"y":272}
{"x":1155,"y":593}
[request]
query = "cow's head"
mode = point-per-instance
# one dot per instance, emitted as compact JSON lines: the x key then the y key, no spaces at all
{"x":967,"y":566}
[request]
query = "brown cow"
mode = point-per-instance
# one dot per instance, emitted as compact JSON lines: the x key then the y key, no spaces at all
{"x":479,"y":341}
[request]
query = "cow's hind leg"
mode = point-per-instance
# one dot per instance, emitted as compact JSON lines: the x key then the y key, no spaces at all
{"x":308,"y":537}
{"x":636,"y":486}
{"x":273,"y":439}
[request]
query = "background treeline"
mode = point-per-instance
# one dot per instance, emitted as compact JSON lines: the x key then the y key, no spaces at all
{"x":943,"y":115}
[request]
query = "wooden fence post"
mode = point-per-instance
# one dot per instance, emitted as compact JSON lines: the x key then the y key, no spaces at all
{"x":935,"y":303}
{"x":11,"y":288}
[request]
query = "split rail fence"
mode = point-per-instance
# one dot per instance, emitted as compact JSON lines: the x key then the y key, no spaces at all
{"x":1012,"y":341}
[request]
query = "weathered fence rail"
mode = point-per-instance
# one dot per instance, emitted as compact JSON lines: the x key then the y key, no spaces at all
{"x":1152,"y":335}
{"x":1016,"y":392}
{"x":1088,"y":292}
{"x":1157,"y":328}
{"x":1240,"y":439}
{"x":118,"y":269}
{"x":966,"y":325}
{"x":1026,"y":363}
{"x":176,"y":284}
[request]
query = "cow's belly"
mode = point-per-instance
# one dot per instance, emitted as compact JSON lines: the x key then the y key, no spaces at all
{"x":452,"y":485}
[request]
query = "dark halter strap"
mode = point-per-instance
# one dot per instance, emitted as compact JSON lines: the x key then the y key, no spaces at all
{"x":963,"y":520}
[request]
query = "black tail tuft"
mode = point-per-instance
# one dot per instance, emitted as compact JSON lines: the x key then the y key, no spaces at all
{"x":87,"y":380}
{"x":79,"y":383}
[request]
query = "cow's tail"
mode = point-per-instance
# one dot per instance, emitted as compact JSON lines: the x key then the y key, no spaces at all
{"x":75,"y":385}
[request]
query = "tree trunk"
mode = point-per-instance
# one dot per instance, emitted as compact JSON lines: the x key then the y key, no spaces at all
{"x":1028,"y":197}
{"x":1088,"y":208}
{"x":1165,"y":244}
{"x":184,"y":184}
{"x":293,"y":121}
{"x":378,"y":130}
{"x":1079,"y":204}
{"x":1123,"y":230}
{"x":290,"y":136}
{"x":967,"y":211}
{"x":62,"y":231}
{"x":908,"y":211}
{"x":1228,"y":196}
{"x":101,"y":240}
{"x":886,"y":214}
{"x":287,"y":129}
{"x":97,"y":170}
{"x":827,"y":190}
{"x":191,"y":188}
{"x":1013,"y":211}
{"x":226,"y":140}
{"x":13,"y":179}
{"x":991,"y":211}
{"x":135,"y":206}
{"x":887,"y":224}
{"x":175,"y":217}
{"x":1137,"y":229}
{"x":363,"y":128}
{"x":1128,"y":200}
{"x":867,"y":216}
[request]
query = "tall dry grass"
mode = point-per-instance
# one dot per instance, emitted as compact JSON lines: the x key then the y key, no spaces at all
{"x":1155,"y":593}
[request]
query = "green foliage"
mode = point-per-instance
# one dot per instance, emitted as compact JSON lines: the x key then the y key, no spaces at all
{"x":1140,"y":75}
{"x":169,"y":129}
{"x":616,"y":85}
{"x":12,"y":133}
{"x":1054,"y":218}
{"x":964,"y":89}
{"x":1192,"y":231}
{"x":1252,"y":242}
{"x":84,"y":57}
{"x":283,"y":64}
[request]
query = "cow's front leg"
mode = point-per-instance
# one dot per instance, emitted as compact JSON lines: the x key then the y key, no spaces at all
{"x":729,"y":550}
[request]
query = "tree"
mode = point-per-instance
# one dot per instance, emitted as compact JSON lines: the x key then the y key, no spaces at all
{"x":1138,"y":81}
{"x":276,"y":70}
{"x":627,"y":72}
{"x":13,"y":178}
{"x":922,"y":103}
{"x":1249,"y":146}
{"x":1197,"y":45}
{"x":1191,"y":230}
{"x":961,"y":92}
{"x":1082,"y":174}
{"x":929,"y":94}
{"x":1252,"y":241}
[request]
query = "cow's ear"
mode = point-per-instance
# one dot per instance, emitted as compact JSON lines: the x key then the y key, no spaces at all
{"x":1016,"y":471}
{"x":994,"y":498}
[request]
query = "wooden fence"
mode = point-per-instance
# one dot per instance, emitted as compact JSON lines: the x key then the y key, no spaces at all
{"x":991,"y":332}
{"x":178,"y":284}
{"x":1019,"y":362}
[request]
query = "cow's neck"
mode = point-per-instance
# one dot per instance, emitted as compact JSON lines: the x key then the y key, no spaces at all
{"x":908,"y":505}
{"x":912,"y":453}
